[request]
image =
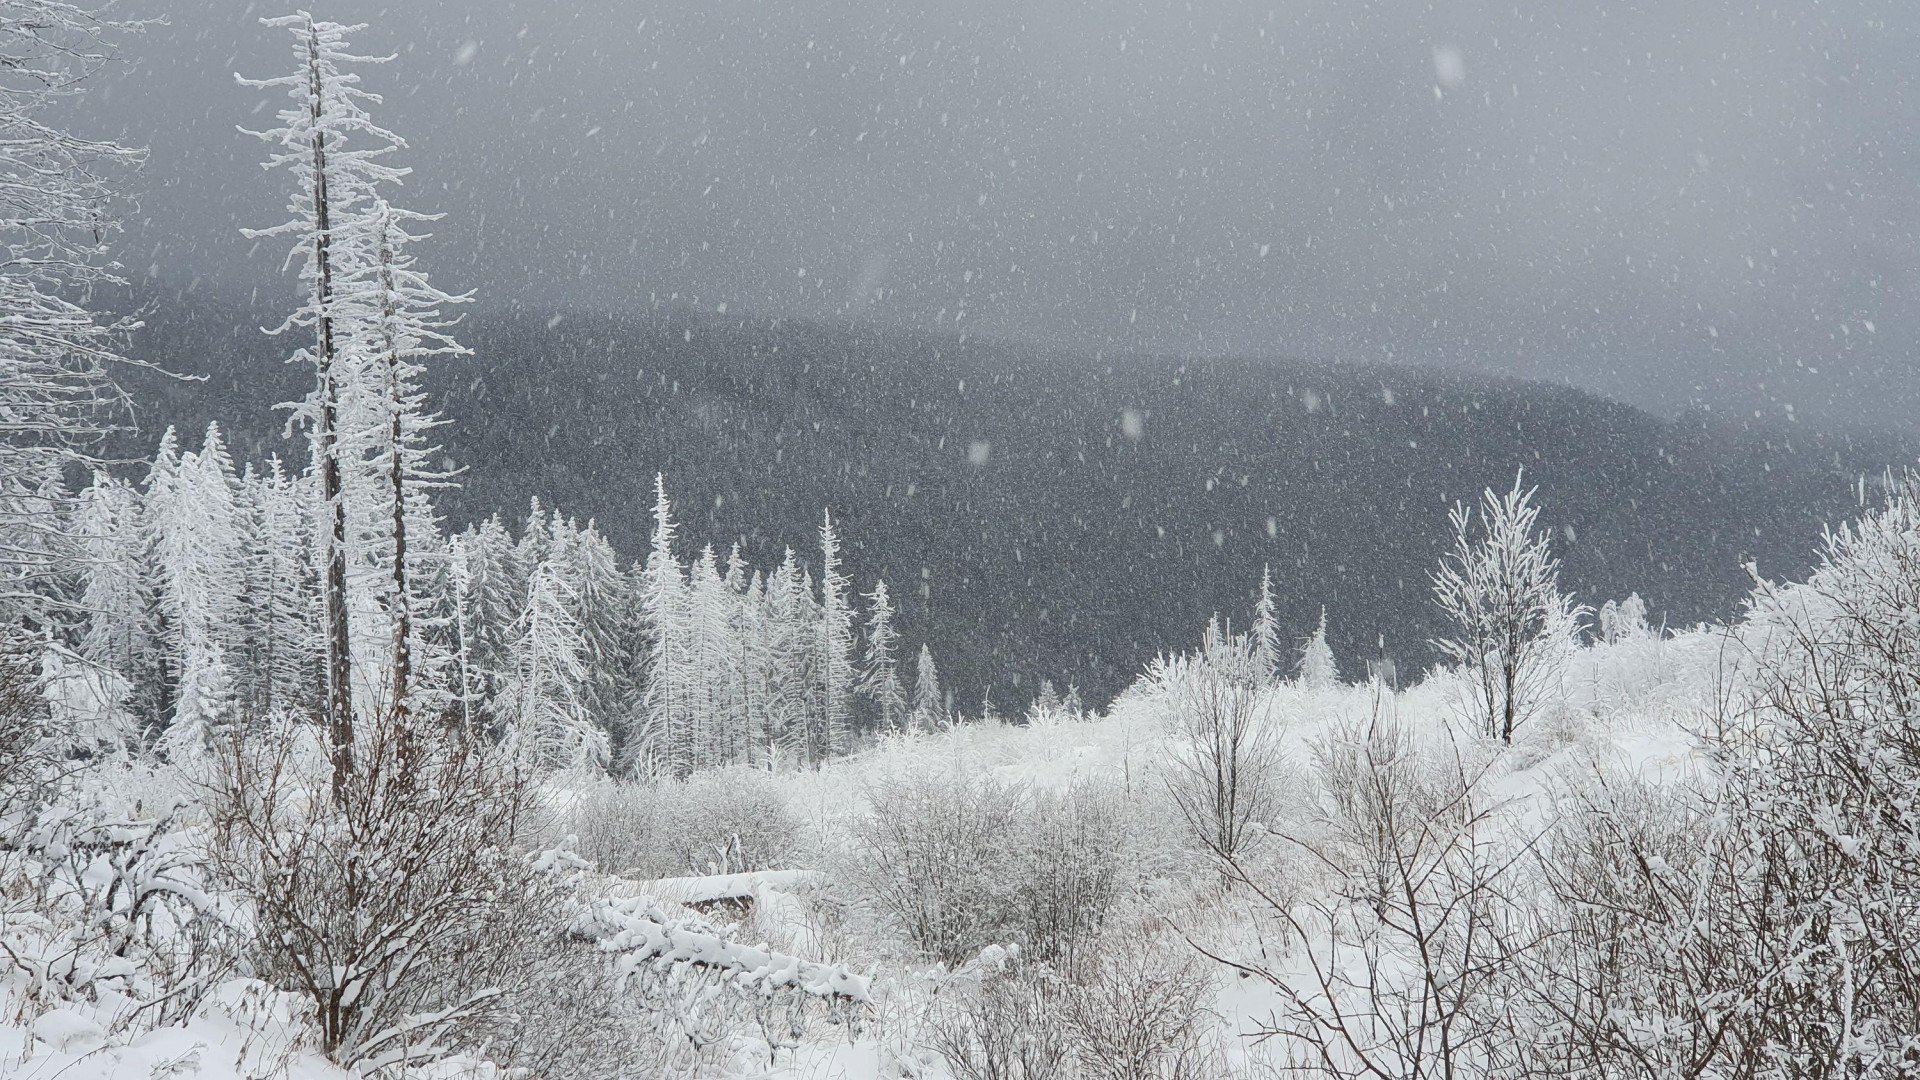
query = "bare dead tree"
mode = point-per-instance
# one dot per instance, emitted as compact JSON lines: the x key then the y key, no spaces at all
{"x":1223,"y":777}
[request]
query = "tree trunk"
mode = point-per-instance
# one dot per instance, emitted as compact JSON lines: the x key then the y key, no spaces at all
{"x":339,"y":658}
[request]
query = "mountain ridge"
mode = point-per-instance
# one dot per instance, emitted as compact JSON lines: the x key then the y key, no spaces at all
{"x":1041,"y":515}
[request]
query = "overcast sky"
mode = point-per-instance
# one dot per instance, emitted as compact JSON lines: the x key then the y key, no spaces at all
{"x":1664,"y":201}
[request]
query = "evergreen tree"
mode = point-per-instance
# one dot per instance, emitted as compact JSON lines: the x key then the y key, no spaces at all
{"x":1316,"y":667}
{"x":835,"y":644}
{"x":663,"y":600}
{"x":1266,"y":630}
{"x":880,"y":675}
{"x":550,"y":728}
{"x":929,"y":709}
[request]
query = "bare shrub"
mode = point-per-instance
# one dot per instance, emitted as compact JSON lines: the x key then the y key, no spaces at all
{"x":1067,"y":870}
{"x":1225,"y":773}
{"x":930,"y":855}
{"x":363,"y":893}
{"x":722,"y":821}
{"x":1637,"y":967}
{"x":1007,"y":1027}
{"x":1137,"y":1011}
{"x":1405,"y":950}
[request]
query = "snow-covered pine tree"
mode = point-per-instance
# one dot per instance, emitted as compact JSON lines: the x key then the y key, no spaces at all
{"x":1316,"y":667}
{"x":1048,"y":707}
{"x":718,"y":727}
{"x":605,"y":605}
{"x":1266,"y":628}
{"x":880,"y":673}
{"x":395,"y":322}
{"x":784,"y":659}
{"x":663,"y":600}
{"x":333,"y":149}
{"x":201,"y":553}
{"x":289,"y":590}
{"x":929,"y":708}
{"x":544,"y":702}
{"x":488,"y":597}
{"x":113,"y":575}
{"x":834,"y":641}
{"x":57,"y":210}
{"x":113,"y":593}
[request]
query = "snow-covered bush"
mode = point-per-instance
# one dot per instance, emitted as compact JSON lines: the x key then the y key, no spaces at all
{"x":1007,"y":1025}
{"x":1634,"y":965}
{"x":1402,"y":955}
{"x":1227,"y":766}
{"x":1069,"y":869}
{"x":931,"y":855}
{"x":1137,"y":1011}
{"x":393,"y":902}
{"x":953,"y":864}
{"x":722,"y":821}
{"x":1821,"y":758}
{"x":101,"y":901}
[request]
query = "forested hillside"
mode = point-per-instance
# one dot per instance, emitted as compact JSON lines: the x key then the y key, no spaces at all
{"x":1038,"y":515}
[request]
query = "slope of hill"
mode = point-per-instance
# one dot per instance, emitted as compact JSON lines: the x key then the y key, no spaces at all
{"x":1047,"y":515}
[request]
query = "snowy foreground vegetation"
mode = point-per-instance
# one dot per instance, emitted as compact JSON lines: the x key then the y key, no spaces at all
{"x":1694,"y":857}
{"x":294,"y":782}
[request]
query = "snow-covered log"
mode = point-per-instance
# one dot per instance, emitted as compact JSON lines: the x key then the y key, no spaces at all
{"x":643,"y":935}
{"x":714,"y":888}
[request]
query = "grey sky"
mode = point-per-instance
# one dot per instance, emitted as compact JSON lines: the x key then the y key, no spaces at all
{"x":1664,"y":201}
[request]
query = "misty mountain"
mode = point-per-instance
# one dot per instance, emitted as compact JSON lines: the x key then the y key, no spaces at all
{"x":1046,"y":515}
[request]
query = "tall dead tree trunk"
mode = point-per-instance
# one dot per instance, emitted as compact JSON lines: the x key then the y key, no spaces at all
{"x":326,"y":446}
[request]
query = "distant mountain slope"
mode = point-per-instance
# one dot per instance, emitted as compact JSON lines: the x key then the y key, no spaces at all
{"x":1047,"y":515}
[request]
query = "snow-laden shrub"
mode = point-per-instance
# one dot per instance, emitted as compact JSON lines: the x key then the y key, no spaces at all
{"x":398,"y":902}
{"x":722,"y":821}
{"x":1137,"y":1011}
{"x":953,"y":863}
{"x":1068,"y":870}
{"x":932,"y":855}
{"x":725,"y":821}
{"x":1003,"y":1021}
{"x":102,"y":909}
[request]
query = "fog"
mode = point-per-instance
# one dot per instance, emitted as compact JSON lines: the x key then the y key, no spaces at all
{"x":1710,"y":202}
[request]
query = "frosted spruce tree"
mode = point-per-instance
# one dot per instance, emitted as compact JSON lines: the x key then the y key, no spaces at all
{"x":1499,"y":589}
{"x":929,"y":710}
{"x":335,"y":155}
{"x":200,"y":557}
{"x":1316,"y":668}
{"x":663,"y":589}
{"x":544,"y":701}
{"x":834,"y":642}
{"x":880,"y":672}
{"x":1266,"y":628}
